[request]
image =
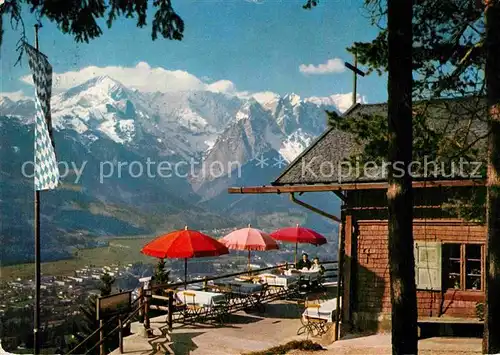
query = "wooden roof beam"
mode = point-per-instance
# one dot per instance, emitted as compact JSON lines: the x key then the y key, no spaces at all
{"x":314,"y":209}
{"x":346,"y":187}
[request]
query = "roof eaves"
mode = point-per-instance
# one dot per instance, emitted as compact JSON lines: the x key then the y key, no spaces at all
{"x":372,"y":181}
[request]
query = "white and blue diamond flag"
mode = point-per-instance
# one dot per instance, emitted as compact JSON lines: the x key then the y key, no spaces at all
{"x":46,"y":170}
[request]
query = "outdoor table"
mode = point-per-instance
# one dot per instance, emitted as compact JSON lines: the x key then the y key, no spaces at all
{"x":202,"y":305}
{"x":243,"y":294}
{"x":317,"y":317}
{"x":305,"y":274}
{"x":201,"y":297}
{"x":247,"y":278}
{"x":285,"y":281}
{"x":325,"y":311}
{"x":239,"y":287}
{"x":310,"y":275}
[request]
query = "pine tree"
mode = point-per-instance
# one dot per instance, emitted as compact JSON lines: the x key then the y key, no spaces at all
{"x":106,"y":285}
{"x":400,"y":191}
{"x":491,"y":344}
{"x":160,"y":276}
{"x":456,"y":53}
{"x":81,"y":19}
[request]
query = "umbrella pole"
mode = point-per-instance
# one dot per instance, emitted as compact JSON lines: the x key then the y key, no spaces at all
{"x":296,"y":246}
{"x":185,"y":272}
{"x":249,"y":262}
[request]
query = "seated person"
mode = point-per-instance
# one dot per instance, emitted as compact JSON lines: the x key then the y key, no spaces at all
{"x":316,"y":266}
{"x":305,"y":263}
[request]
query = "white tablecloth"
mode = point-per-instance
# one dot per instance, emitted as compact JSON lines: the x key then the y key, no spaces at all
{"x":325,"y":311}
{"x":201,"y":297}
{"x":281,"y":281}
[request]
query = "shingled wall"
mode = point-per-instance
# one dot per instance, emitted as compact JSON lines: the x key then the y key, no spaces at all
{"x":372,"y":303}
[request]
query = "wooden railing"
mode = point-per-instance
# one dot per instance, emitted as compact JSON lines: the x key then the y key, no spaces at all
{"x":122,"y":324}
{"x":141,"y":305}
{"x":136,"y":307}
{"x":239,"y":273}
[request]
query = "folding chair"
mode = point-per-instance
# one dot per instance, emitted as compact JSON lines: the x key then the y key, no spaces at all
{"x":193,"y":311}
{"x":312,"y":323}
{"x":219,"y":311}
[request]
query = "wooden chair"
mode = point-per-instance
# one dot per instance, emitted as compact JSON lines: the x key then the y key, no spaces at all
{"x":193,"y":311}
{"x":219,"y":312}
{"x":312,"y":324}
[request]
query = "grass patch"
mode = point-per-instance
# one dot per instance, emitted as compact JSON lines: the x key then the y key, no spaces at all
{"x":305,"y":345}
{"x":120,"y":251}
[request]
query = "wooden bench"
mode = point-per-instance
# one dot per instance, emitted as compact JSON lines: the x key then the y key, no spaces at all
{"x":446,"y":322}
{"x":449,"y":320}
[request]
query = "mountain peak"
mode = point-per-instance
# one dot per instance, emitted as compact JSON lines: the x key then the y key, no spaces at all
{"x":5,"y":100}
{"x":98,"y":85}
{"x":105,"y":82}
{"x":252,"y":108}
{"x":293,"y":98}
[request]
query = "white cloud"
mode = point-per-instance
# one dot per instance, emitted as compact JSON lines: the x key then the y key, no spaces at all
{"x":224,"y":86}
{"x":335,"y":65}
{"x":14,"y":96}
{"x":147,"y":79}
{"x":265,"y":96}
{"x":341,"y":101}
{"x":141,"y":77}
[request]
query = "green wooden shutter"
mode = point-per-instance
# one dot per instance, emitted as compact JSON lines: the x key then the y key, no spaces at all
{"x":428,"y":265}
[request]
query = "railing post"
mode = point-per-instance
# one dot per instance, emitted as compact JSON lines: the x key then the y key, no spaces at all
{"x":146,"y":312}
{"x":101,"y":338}
{"x":141,"y":304}
{"x":120,"y":334}
{"x":170,"y":308}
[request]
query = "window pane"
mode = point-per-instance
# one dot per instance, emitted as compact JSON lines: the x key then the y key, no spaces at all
{"x":473,"y":251}
{"x":454,"y":250}
{"x":451,"y":261}
{"x":473,"y":267}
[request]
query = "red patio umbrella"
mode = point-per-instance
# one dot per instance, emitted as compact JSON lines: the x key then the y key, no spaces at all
{"x":249,"y":239}
{"x":297,"y":235}
{"x":185,"y":244}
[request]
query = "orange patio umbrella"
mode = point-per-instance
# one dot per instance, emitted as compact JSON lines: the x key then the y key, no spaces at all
{"x":297,"y":235}
{"x":184,"y":244}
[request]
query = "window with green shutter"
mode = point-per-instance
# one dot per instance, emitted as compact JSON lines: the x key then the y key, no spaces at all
{"x":428,"y":265}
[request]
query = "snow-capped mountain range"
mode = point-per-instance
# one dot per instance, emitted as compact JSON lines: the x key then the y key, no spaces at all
{"x":103,"y":120}
{"x":200,"y":125}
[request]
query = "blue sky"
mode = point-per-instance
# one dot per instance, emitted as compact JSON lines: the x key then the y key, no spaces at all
{"x":256,"y":46}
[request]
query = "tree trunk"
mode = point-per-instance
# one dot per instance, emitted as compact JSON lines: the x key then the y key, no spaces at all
{"x":491,"y":344}
{"x":399,"y":193}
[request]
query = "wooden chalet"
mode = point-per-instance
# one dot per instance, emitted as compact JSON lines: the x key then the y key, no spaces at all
{"x":449,"y":251}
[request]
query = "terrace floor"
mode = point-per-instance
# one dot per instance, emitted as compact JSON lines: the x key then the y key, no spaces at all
{"x":243,"y":332}
{"x":278,"y":325}
{"x":381,"y":344}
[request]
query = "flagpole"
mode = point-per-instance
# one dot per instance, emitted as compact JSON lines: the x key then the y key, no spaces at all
{"x":36,"y":318}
